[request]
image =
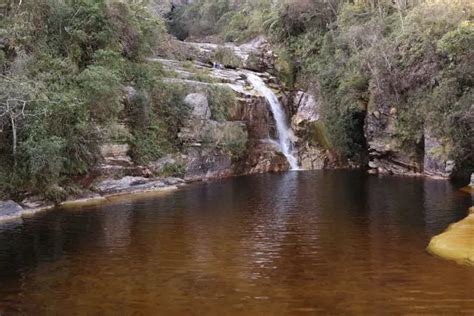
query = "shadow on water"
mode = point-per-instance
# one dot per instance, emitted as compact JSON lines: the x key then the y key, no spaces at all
{"x":326,"y":241}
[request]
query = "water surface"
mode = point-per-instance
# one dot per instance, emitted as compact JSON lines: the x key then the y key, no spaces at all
{"x":292,"y":243}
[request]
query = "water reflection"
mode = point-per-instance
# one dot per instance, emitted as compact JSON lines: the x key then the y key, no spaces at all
{"x":314,"y":242}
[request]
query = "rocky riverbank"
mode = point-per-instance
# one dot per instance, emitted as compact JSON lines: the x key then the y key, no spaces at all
{"x":104,"y":192}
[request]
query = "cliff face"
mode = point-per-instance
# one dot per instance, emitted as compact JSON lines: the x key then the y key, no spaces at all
{"x":232,"y":135}
{"x":429,"y":157}
{"x":224,"y":138}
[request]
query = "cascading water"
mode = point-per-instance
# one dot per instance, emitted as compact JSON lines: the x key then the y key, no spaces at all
{"x":285,"y":134}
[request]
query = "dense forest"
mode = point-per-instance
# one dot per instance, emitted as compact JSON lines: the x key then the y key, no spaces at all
{"x":66,"y":66}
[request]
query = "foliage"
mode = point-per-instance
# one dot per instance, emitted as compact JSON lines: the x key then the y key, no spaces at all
{"x":173,"y":170}
{"x":226,"y":56}
{"x":221,"y":99}
{"x":374,"y":55}
{"x":69,"y":61}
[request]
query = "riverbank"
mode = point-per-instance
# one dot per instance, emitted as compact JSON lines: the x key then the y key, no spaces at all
{"x":457,"y":242}
{"x":108,"y":191}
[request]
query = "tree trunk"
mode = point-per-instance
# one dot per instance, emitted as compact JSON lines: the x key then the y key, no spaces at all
{"x":12,"y":119}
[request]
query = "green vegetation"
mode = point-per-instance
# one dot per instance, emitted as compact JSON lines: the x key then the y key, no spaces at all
{"x":173,"y":170}
{"x":411,"y":55}
{"x":73,"y":76}
{"x":64,"y":69}
{"x":221,"y":99}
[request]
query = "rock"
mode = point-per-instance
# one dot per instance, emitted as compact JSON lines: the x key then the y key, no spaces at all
{"x":264,"y":157}
{"x":450,"y":167}
{"x":373,"y":171}
{"x":156,"y":167}
{"x":207,"y":163}
{"x":199,"y":104}
{"x":310,"y":139}
{"x":457,"y":242}
{"x":308,"y":109}
{"x":435,"y":161}
{"x":472,"y":181}
{"x":393,"y":111}
{"x":164,"y":7}
{"x":131,"y":94}
{"x":116,"y":154}
{"x":10,"y":210}
{"x":376,"y":114}
{"x":135,"y":185}
{"x":312,"y":158}
{"x":124,"y":183}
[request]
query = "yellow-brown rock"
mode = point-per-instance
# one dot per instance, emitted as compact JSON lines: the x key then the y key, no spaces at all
{"x":457,"y":242}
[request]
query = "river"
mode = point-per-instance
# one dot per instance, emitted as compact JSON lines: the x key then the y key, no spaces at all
{"x":323,"y":242}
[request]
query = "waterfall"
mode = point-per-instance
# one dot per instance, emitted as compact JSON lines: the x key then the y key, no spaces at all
{"x":285,"y":134}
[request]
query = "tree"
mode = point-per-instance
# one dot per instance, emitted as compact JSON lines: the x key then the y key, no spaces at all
{"x":16,"y":97}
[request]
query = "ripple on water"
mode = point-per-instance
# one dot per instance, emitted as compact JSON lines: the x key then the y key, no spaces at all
{"x":306,"y":242}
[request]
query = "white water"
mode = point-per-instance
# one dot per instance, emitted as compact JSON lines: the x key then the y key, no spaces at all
{"x":285,"y":134}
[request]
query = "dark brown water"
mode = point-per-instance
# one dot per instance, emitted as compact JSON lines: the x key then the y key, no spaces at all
{"x":292,"y":243}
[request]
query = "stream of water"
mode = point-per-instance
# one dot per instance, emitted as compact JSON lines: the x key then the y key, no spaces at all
{"x":285,"y":134}
{"x":325,"y":242}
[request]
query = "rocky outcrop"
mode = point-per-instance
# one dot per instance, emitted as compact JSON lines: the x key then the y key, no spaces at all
{"x":256,"y":54}
{"x":263,"y":157}
{"x":308,"y":109}
{"x":311,"y":144}
{"x":164,"y":7}
{"x":436,"y":162}
{"x":199,"y":104}
{"x":385,"y":154}
{"x":203,"y":163}
{"x":128,"y":185}
{"x":10,"y":210}
{"x":237,"y":146}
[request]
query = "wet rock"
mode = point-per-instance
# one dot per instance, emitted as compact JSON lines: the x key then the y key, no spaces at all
{"x":312,"y":158}
{"x":265,"y":156}
{"x":10,"y":210}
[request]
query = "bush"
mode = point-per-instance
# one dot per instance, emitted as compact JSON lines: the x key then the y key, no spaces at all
{"x":227,"y":57}
{"x":173,"y":170}
{"x":221,"y":99}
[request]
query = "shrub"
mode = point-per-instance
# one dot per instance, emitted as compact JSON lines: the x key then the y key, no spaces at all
{"x":173,"y":170}
{"x":227,"y":57}
{"x":221,"y":99}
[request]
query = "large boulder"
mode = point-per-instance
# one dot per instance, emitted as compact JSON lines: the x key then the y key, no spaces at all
{"x":10,"y":210}
{"x":207,"y":163}
{"x":263,"y":156}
